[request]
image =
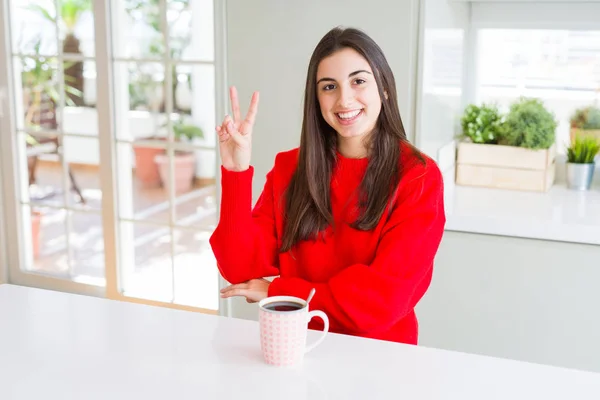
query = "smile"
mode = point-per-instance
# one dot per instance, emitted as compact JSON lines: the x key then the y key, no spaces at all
{"x":347,"y":118}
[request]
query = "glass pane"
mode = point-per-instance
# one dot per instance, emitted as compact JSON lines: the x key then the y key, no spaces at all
{"x":33,"y":27}
{"x":38,"y":98}
{"x":77,"y":27}
{"x":141,"y":193}
{"x":140,"y":104}
{"x":191,"y":31}
{"x":138,"y":29}
{"x":77,"y":85}
{"x":83,"y":161}
{"x":147,"y":266}
{"x":196,"y":273}
{"x":194,"y":94}
{"x":198,"y":208}
{"x":41,"y":174}
{"x":87,"y":248}
{"x":559,"y":67}
{"x":46,"y":240}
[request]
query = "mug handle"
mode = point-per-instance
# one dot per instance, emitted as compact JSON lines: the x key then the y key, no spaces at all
{"x":323,"y":316}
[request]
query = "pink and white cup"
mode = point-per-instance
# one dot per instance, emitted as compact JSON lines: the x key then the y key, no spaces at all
{"x":283,"y":329}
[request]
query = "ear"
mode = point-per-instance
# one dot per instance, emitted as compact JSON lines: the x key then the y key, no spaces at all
{"x":385,"y":93}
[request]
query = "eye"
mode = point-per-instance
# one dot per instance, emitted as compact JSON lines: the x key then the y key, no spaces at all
{"x":331,"y":86}
{"x":359,"y":81}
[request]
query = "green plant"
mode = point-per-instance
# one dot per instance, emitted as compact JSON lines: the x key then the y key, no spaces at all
{"x":586,"y":118}
{"x":68,"y":15}
{"x":528,"y":124}
{"x":70,"y":12}
{"x":481,"y":124}
{"x":583,"y":150}
{"x":39,"y":80}
{"x":189,"y":131}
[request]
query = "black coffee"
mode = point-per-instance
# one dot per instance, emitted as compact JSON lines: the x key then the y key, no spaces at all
{"x":284,"y":306}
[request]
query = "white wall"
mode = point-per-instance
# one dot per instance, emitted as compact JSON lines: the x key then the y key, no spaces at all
{"x":269,"y":44}
{"x":522,"y":299}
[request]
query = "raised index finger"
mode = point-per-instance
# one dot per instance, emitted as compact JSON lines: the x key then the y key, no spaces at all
{"x":235,"y":104}
{"x":251,"y":116}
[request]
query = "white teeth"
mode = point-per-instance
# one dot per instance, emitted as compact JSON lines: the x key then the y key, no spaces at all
{"x":349,"y":115}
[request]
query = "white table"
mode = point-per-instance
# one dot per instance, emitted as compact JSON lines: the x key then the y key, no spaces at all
{"x":57,"y":346}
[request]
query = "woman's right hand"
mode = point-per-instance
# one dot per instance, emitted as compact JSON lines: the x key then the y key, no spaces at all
{"x":235,"y":136}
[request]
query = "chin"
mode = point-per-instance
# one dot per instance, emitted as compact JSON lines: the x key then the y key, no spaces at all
{"x":348,"y":135}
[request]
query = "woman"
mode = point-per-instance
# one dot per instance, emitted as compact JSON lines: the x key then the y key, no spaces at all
{"x":356,"y":212}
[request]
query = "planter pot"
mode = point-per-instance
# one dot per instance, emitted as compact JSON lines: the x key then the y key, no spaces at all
{"x":585,"y":132}
{"x":505,"y":167}
{"x":146,"y":170}
{"x":185,"y":168}
{"x":579,"y":176}
{"x":36,"y":219}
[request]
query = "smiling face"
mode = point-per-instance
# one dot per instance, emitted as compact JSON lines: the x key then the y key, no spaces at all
{"x":348,"y":96}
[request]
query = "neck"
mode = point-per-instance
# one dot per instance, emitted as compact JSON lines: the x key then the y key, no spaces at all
{"x":351,"y":147}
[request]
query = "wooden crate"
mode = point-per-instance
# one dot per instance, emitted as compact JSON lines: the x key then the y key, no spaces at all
{"x":505,"y":167}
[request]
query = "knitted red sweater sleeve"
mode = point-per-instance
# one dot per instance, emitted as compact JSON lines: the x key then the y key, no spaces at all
{"x":244,"y":242}
{"x":367,"y":299}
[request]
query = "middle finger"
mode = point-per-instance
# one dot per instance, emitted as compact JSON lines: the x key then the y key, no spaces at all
{"x":235,"y":104}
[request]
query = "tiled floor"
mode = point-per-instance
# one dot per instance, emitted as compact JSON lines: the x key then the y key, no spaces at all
{"x":148,"y":270}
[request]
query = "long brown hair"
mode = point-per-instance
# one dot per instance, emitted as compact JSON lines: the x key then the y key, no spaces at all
{"x":308,"y":203}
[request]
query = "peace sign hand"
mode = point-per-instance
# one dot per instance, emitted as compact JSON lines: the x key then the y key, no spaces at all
{"x":235,"y":136}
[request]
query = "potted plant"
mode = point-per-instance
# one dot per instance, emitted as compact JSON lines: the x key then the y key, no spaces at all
{"x":515,"y":151}
{"x":585,"y":122}
{"x":184,"y":162}
{"x":481,"y":124}
{"x":580,"y":162}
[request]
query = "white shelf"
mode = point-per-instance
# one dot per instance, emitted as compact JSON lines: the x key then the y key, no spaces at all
{"x":559,"y":215}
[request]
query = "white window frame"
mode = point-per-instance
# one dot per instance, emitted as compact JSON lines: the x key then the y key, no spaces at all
{"x":16,"y":255}
{"x":524,"y":15}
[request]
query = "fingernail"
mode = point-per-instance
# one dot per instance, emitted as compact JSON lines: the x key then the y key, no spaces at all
{"x":229,"y":125}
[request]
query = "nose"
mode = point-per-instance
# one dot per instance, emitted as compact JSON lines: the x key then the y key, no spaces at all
{"x":346,"y":97}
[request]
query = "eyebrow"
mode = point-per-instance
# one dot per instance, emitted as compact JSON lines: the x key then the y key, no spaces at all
{"x":349,"y":76}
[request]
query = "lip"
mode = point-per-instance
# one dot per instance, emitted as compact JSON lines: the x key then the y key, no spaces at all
{"x":351,"y":120}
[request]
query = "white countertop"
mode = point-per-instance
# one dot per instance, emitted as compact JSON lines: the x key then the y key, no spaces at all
{"x":57,"y":346}
{"x":559,"y":214}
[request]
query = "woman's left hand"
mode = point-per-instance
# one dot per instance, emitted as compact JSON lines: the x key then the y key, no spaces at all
{"x":253,"y":290}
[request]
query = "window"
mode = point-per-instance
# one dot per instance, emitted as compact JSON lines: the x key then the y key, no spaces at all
{"x":560,"y":67}
{"x":154,"y":118}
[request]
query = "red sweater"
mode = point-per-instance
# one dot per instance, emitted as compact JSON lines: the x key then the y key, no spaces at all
{"x":367,"y":282}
